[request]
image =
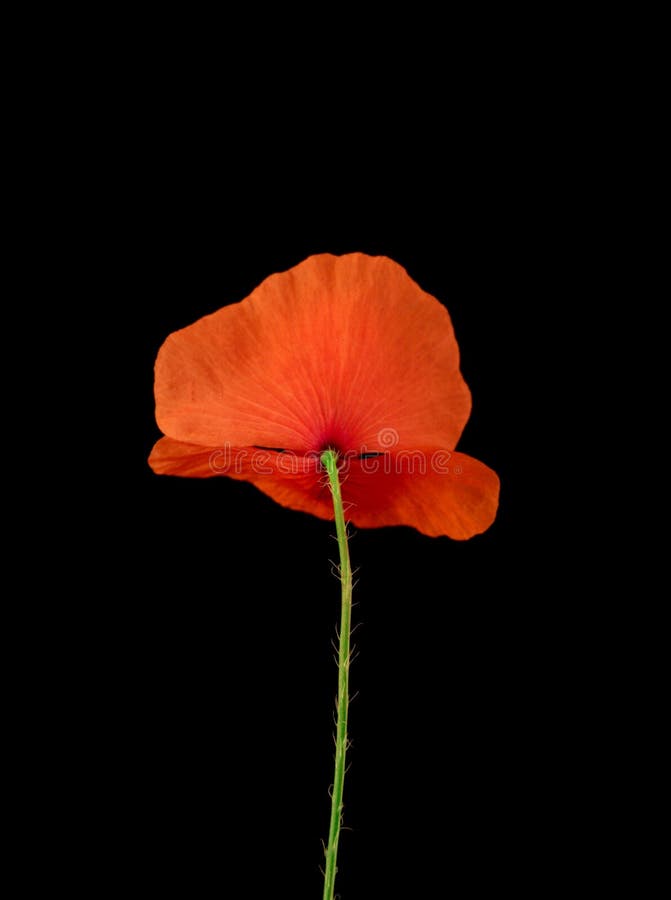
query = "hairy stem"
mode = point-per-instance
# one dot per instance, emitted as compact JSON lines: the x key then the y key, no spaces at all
{"x":330,"y":462}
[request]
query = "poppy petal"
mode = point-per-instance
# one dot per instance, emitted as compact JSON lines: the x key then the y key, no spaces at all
{"x":345,"y":351}
{"x":170,"y":457}
{"x":451,"y":494}
{"x":441,"y":493}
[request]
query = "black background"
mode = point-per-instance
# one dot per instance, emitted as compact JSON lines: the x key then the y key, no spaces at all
{"x":175,"y":677}
{"x":203,"y":678}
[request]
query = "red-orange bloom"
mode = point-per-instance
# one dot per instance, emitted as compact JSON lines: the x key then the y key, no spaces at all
{"x":340,"y":351}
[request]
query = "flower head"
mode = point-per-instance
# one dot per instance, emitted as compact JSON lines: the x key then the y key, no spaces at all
{"x":343,"y":352}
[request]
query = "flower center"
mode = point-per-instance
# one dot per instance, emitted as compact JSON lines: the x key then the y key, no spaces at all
{"x":333,"y":439}
{"x":331,"y":445}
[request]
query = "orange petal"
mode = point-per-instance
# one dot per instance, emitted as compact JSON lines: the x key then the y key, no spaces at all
{"x":437,"y":493}
{"x":346,"y":351}
{"x":170,"y":457}
{"x":440,"y":493}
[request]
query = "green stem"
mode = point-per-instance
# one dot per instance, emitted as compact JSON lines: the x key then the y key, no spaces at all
{"x":330,"y":462}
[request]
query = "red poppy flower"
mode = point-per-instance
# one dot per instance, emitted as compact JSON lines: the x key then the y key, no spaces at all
{"x":340,"y":351}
